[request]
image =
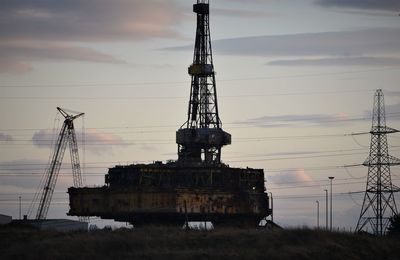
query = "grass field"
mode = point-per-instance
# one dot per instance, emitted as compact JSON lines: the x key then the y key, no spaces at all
{"x":173,"y":243}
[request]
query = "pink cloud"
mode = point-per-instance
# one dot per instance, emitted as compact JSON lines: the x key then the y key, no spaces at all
{"x":90,"y":20}
{"x":44,"y":30}
{"x":286,"y":177}
{"x":95,"y":141}
{"x":13,"y":66}
{"x":17,"y":55}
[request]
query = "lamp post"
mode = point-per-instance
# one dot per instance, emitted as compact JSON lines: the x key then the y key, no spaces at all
{"x":330,"y":227}
{"x":317,"y":214}
{"x":326,"y":209}
{"x":19,"y":207}
{"x":272,"y":207}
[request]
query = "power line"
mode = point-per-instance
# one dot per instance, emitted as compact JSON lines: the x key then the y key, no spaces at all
{"x":243,"y":139}
{"x":157,"y":83}
{"x":298,"y":157}
{"x":331,"y":153}
{"x":320,"y":119}
{"x":178,"y":97}
{"x":112,"y":164}
{"x":307,"y":196}
{"x":318,"y":185}
{"x":46,"y":143}
{"x":289,"y":196}
{"x":287,"y":158}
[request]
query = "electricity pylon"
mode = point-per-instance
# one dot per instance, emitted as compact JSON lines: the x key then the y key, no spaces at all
{"x":379,"y":203}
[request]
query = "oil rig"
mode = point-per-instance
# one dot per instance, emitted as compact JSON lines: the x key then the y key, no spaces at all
{"x":198,"y":186}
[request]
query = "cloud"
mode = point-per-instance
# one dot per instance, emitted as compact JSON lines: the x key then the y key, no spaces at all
{"x":241,"y":13}
{"x":15,"y":189}
{"x":17,"y":56}
{"x":343,"y":43}
{"x":95,"y":141}
{"x":366,"y":47}
{"x":13,"y":66}
{"x":300,"y":120}
{"x":6,"y":137}
{"x":33,"y":30}
{"x":383,"y":5}
{"x":23,"y":178}
{"x":89,"y":20}
{"x":248,"y":1}
{"x":21,"y":175}
{"x":23,"y":165}
{"x":287,"y":177}
{"x":392,"y":111}
{"x":291,"y":153}
{"x":342,"y":61}
{"x":391,"y":93}
{"x":146,"y":147}
{"x":26,"y":174}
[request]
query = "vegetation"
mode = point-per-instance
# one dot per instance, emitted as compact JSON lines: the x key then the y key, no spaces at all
{"x":394,"y":227}
{"x":173,"y":243}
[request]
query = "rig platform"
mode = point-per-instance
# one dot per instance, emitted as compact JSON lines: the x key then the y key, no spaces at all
{"x":196,"y":187}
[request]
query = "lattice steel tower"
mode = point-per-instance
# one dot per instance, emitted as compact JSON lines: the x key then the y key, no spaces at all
{"x":201,"y":137}
{"x":66,"y":137}
{"x":379,"y":203}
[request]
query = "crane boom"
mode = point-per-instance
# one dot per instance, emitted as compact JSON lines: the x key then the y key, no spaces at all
{"x":76,"y":167}
{"x":67,"y":136}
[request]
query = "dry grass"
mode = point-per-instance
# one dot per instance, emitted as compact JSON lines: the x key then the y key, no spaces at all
{"x":173,"y":243}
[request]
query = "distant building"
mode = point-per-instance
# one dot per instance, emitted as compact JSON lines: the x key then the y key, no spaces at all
{"x":63,"y":225}
{"x":4,"y":219}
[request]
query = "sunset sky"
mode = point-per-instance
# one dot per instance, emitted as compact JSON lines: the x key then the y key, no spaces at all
{"x":294,"y":79}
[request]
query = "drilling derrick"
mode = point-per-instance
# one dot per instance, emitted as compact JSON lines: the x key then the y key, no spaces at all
{"x":201,"y":138}
{"x":379,"y":203}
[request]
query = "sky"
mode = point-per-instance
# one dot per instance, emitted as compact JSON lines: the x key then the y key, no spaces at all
{"x":294,"y":80}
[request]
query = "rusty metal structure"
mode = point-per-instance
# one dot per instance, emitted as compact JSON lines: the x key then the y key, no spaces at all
{"x":196,"y":187}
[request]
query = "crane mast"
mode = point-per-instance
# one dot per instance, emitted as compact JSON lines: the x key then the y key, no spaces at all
{"x":67,"y":136}
{"x":201,"y":137}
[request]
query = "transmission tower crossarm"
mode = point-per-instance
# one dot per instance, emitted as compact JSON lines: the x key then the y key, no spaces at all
{"x":376,"y":130}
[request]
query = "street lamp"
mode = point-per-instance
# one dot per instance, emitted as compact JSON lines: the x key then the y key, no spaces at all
{"x":272,"y":207}
{"x":19,"y":207}
{"x":326,"y":209}
{"x":317,"y":214}
{"x":330,"y":228}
